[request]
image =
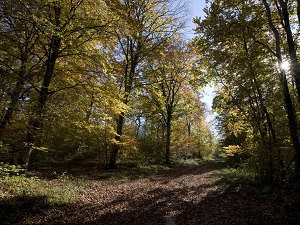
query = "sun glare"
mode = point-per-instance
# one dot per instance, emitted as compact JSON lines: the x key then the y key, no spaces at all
{"x":285,"y":65}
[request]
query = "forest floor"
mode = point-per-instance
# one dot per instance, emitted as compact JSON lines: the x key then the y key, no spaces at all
{"x":182,"y":195}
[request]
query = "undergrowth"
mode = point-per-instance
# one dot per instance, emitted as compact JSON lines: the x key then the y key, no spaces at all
{"x":61,"y":190}
{"x":14,"y":185}
{"x":237,"y":178}
{"x":285,"y":195}
{"x":22,"y":197}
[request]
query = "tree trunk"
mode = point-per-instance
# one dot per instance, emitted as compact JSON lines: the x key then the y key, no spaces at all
{"x":168,"y":138}
{"x":35,"y":122}
{"x":28,"y":156}
{"x":298,"y":11}
{"x":15,"y":94}
{"x":293,"y":127}
{"x":295,"y":65}
{"x":115,"y":145}
{"x":13,"y":104}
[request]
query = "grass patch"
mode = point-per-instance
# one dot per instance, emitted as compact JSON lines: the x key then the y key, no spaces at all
{"x":24,"y":197}
{"x":235,"y":179}
{"x":60,"y":190}
{"x":188,"y":162}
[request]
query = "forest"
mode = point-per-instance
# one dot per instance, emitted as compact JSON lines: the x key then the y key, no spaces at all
{"x":102,"y":117}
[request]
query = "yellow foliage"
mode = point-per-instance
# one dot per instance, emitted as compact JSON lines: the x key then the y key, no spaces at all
{"x":40,"y":148}
{"x":231,"y":150}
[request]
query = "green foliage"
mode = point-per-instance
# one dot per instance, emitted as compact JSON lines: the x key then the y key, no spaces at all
{"x":234,"y":179}
{"x":60,"y":190}
{"x":7,"y":170}
{"x":236,"y":45}
{"x":78,"y":81}
{"x":23,"y":196}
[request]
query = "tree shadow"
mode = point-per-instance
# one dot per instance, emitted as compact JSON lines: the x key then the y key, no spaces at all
{"x":199,"y":204}
{"x":230,"y":208}
{"x":203,"y":168}
{"x":96,"y":171}
{"x":91,"y":171}
{"x":161,"y":207}
{"x":17,"y":209}
{"x":164,"y":204}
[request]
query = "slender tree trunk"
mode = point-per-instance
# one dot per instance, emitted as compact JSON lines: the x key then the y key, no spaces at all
{"x":298,"y":11}
{"x":105,"y":146}
{"x":90,"y":109}
{"x":295,"y":65}
{"x":168,"y":138}
{"x":13,"y":104}
{"x":15,"y":94}
{"x":189,"y":125}
{"x":293,"y":127}
{"x":138,"y":123}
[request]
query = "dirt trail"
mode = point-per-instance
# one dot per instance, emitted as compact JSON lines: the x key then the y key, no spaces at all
{"x":177,"y":196}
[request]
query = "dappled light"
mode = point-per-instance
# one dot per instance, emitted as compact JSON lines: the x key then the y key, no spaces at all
{"x":184,"y":195}
{"x":115,"y":112}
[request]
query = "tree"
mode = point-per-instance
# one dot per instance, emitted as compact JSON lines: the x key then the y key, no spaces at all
{"x":243,"y":65}
{"x":169,"y":78}
{"x":191,"y":135}
{"x":283,"y":9}
{"x":49,"y":35}
{"x":18,"y":38}
{"x":143,"y":27}
{"x":286,"y":93}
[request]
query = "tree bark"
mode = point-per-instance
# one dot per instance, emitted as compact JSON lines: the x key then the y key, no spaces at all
{"x":298,"y":11}
{"x":168,"y":139}
{"x":15,"y":94}
{"x":13,"y":104}
{"x":293,"y":127}
{"x":295,"y":65}
{"x":35,"y":122}
{"x":116,"y":144}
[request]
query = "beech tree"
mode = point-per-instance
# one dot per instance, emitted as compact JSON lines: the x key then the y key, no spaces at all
{"x":293,"y":126}
{"x":143,"y":27}
{"x":242,"y":62}
{"x":170,"y":75}
{"x":18,"y":38}
{"x":46,"y":32}
{"x":83,"y":79}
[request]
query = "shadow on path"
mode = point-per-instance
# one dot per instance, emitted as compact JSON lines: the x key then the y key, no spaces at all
{"x":188,"y":196}
{"x":203,"y":168}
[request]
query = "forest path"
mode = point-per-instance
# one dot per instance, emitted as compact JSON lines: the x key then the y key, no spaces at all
{"x":185,"y":195}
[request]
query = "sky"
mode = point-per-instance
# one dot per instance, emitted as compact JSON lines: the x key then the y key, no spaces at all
{"x":196,"y":8}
